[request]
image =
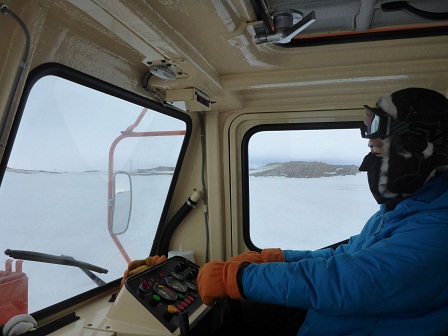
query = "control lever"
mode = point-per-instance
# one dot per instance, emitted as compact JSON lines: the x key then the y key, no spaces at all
{"x":191,"y":275}
{"x":184,"y":324}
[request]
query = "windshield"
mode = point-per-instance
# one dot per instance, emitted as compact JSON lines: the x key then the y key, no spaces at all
{"x":78,"y":153}
{"x":308,"y":183}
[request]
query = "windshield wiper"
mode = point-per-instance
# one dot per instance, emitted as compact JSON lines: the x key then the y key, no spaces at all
{"x":53,"y":259}
{"x":92,"y":276}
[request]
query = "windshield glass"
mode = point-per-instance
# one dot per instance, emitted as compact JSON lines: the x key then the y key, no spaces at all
{"x":58,"y":194}
{"x":307,"y":183}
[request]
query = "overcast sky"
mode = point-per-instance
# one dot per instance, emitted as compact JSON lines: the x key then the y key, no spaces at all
{"x":67,"y":127}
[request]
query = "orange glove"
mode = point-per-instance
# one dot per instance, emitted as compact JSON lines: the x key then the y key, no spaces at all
{"x":138,"y":266}
{"x":266,"y":255}
{"x":251,"y":256}
{"x":217,"y":279}
{"x":272,"y":255}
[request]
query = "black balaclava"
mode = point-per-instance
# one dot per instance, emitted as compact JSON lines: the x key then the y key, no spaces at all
{"x":412,"y":154}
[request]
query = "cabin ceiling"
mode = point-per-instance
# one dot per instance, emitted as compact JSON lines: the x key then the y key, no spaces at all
{"x":211,"y":46}
{"x":345,"y":16}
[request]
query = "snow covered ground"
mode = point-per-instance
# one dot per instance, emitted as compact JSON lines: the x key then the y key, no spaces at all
{"x":66,"y":214}
{"x":308,"y":213}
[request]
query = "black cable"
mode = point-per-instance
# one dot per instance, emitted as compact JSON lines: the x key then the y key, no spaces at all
{"x":168,"y":230}
{"x":204,"y":190}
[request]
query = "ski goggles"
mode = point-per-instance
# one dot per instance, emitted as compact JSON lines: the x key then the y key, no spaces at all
{"x":378,"y":124}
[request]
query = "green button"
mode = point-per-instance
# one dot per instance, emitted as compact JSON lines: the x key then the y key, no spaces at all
{"x":180,"y":296}
{"x":156,"y":297}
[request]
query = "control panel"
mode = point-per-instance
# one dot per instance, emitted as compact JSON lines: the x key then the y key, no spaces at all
{"x":168,"y":291}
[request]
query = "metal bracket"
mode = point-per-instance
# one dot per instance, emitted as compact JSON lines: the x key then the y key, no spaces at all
{"x":287,"y":24}
{"x":167,"y":69}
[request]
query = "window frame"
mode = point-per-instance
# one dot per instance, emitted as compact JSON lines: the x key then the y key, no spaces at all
{"x":245,"y":162}
{"x":62,"y":71}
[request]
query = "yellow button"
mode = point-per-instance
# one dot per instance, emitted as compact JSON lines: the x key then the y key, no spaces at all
{"x":171,"y":309}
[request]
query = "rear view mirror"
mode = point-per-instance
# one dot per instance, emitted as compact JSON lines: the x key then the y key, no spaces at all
{"x":122,"y":203}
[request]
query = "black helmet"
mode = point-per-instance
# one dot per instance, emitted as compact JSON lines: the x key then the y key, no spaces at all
{"x":415,"y":112}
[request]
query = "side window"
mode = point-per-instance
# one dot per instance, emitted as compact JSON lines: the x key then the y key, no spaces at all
{"x":304,"y":188}
{"x":87,"y":179}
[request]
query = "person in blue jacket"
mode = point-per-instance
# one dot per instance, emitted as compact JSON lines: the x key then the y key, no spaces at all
{"x":390,"y":279}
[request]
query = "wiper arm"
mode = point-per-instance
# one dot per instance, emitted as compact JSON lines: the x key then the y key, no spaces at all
{"x":53,"y":259}
{"x":93,"y":277}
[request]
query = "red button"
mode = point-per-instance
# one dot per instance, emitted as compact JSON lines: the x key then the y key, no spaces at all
{"x":145,"y":284}
{"x":181,"y":308}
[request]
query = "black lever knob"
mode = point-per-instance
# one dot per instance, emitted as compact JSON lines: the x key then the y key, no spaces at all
{"x":180,"y":266}
{"x":191,"y":275}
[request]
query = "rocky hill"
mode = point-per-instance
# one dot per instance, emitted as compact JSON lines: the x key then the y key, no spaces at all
{"x":161,"y":170}
{"x":301,"y":169}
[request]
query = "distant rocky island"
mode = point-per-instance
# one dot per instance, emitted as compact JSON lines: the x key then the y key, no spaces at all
{"x":301,"y":169}
{"x":155,"y":171}
{"x":30,"y":171}
{"x":161,"y":170}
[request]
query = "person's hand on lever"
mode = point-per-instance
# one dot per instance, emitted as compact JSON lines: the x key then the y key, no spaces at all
{"x":138,"y":266}
{"x":217,"y":279}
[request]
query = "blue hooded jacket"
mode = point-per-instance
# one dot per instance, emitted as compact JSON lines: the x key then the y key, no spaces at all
{"x":391,"y":279}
